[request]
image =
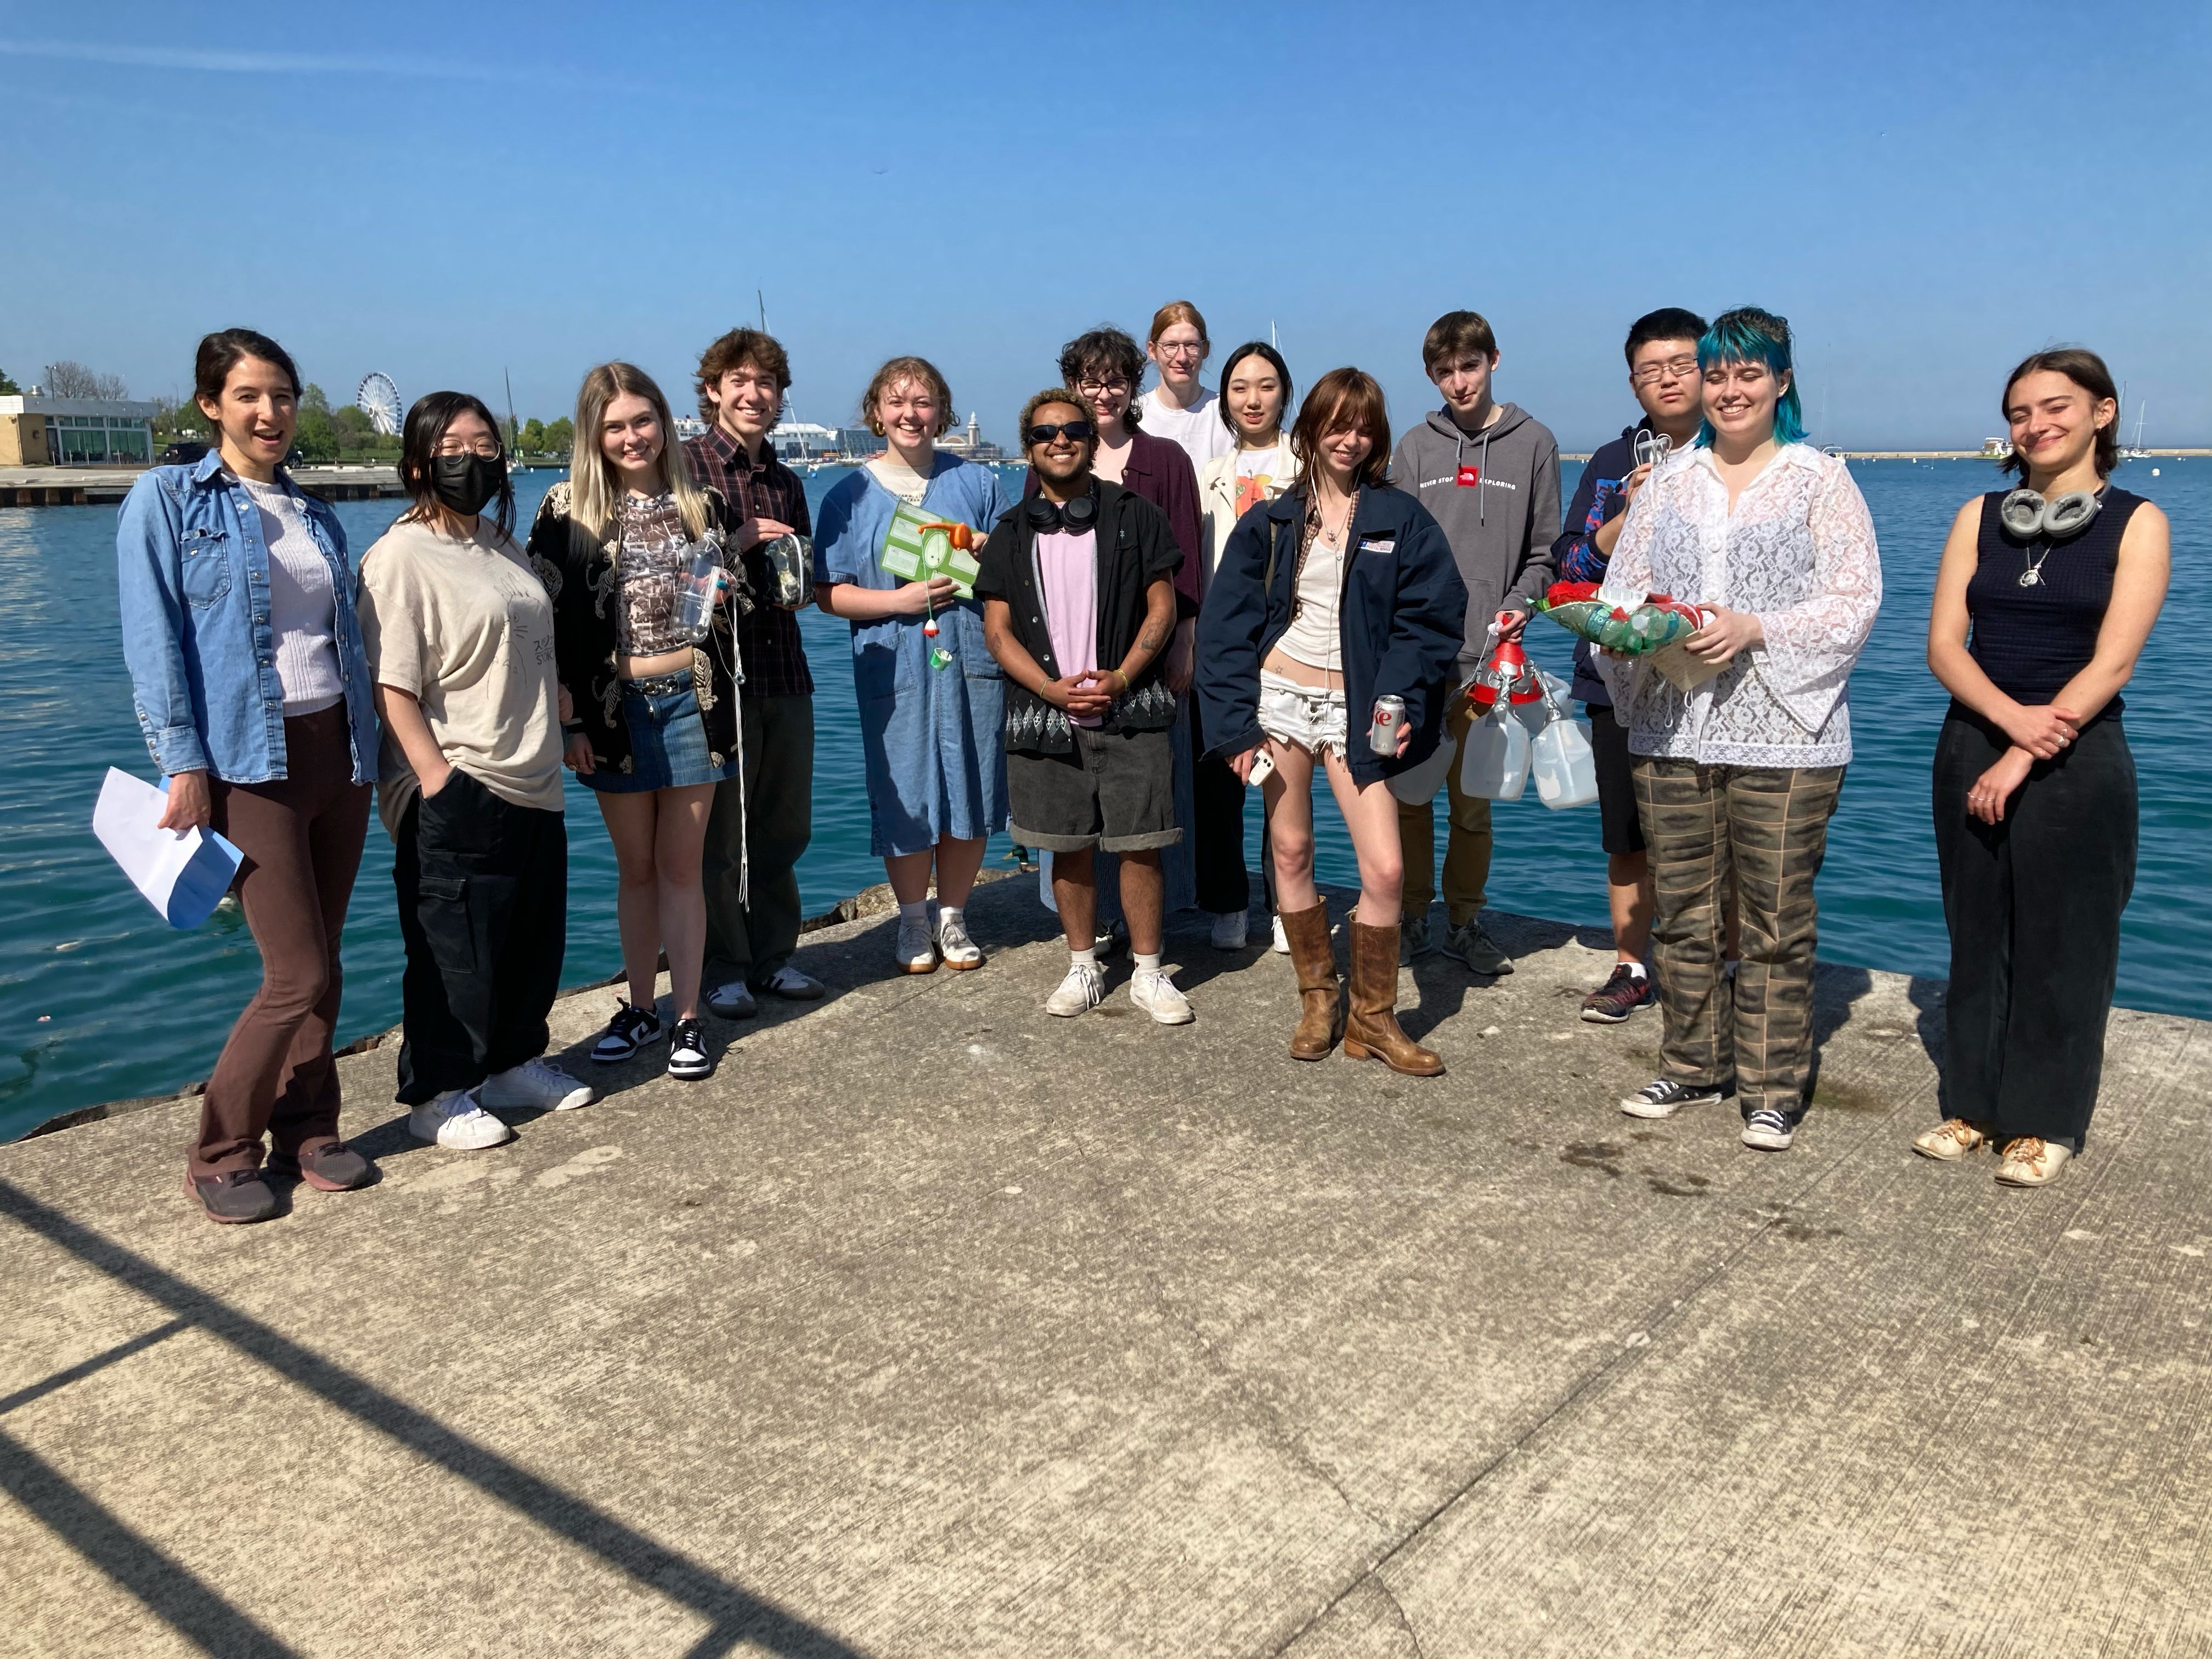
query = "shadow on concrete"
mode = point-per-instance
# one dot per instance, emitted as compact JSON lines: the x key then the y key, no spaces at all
{"x":197,"y":1613}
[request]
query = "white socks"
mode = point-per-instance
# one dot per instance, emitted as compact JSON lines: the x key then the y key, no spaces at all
{"x":1146,"y":964}
{"x":1087,"y":957}
{"x":916,"y":911}
{"x":948,"y":913}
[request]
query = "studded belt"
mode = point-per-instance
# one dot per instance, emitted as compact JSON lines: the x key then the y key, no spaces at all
{"x":660,"y":686}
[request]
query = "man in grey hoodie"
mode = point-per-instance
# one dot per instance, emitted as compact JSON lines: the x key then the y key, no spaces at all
{"x":1490,"y":474}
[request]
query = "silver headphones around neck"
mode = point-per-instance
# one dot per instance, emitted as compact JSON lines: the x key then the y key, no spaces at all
{"x":2025,"y":515}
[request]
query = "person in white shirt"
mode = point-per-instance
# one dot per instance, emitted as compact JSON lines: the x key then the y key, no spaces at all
{"x":1254,"y":469}
{"x":1179,"y":408}
{"x":1738,"y":771}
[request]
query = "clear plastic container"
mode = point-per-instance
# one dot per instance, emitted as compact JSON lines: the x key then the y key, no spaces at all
{"x":1496,"y":763}
{"x":700,"y":587}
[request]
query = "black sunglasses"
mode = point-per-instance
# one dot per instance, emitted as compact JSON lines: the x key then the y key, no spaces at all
{"x":1044,"y":433}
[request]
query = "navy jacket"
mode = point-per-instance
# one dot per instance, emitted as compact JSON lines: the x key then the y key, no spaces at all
{"x":1401,"y":618}
{"x":1575,"y":559}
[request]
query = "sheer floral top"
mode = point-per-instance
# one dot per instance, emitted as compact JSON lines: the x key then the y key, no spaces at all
{"x":1798,"y":552}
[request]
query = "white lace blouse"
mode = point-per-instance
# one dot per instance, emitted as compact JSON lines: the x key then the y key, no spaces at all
{"x":1798,"y":553}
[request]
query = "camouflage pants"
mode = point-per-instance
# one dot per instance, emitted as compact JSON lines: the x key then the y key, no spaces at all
{"x":1768,"y":828}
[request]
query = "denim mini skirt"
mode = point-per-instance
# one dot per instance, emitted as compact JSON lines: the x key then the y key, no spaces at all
{"x":667,"y":740}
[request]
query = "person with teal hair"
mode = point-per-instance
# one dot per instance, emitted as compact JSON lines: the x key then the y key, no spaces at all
{"x":1740,"y":735}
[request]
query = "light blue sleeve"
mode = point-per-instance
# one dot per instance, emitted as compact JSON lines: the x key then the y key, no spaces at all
{"x":151,"y":585}
{"x":845,"y":536}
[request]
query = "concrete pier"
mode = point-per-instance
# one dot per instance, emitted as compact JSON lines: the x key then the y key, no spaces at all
{"x":933,"y":1326}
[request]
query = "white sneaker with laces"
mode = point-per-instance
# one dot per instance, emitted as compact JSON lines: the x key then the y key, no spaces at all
{"x":916,"y":954}
{"x":454,"y":1120}
{"x":1282,"y":943}
{"x":960,"y":952}
{"x":1152,"y":991}
{"x":1230,"y":931}
{"x":1083,"y":989}
{"x":733,"y":1001}
{"x":535,"y":1084}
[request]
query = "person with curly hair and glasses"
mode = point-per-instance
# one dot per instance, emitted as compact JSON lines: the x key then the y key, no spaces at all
{"x":1740,"y":742}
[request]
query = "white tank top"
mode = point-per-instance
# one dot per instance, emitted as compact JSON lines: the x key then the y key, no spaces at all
{"x":1312,"y":637}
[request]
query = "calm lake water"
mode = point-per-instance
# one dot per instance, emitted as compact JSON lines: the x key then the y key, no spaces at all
{"x":101,"y":1000}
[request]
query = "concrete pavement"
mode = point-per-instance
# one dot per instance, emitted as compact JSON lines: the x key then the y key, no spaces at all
{"x":934,"y":1326}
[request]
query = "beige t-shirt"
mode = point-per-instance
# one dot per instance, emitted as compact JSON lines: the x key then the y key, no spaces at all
{"x":466,"y":627}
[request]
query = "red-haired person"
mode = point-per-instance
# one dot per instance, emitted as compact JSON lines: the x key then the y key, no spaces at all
{"x":2045,"y":598}
{"x":1328,"y":599}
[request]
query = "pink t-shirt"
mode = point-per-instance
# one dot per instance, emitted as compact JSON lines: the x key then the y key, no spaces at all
{"x":1067,"y":570}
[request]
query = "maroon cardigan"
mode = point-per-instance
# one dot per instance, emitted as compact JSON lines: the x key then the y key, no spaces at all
{"x":1160,"y":472}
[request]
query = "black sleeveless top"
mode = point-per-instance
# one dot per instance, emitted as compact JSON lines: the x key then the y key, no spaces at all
{"x":2032,"y":639}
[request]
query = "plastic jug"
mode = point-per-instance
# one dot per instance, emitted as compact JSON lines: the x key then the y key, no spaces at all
{"x":698,"y":588}
{"x":1496,"y":763}
{"x":1561,"y":757}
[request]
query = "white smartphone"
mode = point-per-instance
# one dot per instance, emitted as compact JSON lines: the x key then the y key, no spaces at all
{"x":1263,"y":767}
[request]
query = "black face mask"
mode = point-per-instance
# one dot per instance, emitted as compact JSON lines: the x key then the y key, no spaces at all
{"x":468,"y":481}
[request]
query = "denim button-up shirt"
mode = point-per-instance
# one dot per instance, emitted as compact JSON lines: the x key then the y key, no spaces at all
{"x":192,"y":573}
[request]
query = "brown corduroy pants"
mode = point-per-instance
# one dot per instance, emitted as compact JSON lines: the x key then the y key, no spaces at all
{"x":1769,"y":826}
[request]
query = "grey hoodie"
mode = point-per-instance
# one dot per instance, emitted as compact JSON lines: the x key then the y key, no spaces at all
{"x":1500,"y":530}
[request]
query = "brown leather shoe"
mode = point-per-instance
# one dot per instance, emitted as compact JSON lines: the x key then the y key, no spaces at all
{"x":1319,"y":1002}
{"x":1372,"y":1029}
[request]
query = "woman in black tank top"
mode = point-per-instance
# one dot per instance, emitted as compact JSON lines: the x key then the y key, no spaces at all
{"x":2045,"y":598}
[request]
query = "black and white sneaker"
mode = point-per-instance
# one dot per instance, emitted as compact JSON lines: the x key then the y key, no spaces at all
{"x":1663,"y":1097}
{"x":687,"y":1052}
{"x":629,"y":1030}
{"x":1769,"y":1130}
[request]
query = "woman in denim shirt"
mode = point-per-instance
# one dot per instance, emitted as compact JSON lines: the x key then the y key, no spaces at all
{"x":250,"y":682}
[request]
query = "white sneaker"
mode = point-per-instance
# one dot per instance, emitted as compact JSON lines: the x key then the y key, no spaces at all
{"x":454,"y":1120}
{"x":916,"y":955}
{"x":960,"y":952}
{"x":789,"y":983}
{"x":1152,"y":991}
{"x":732,"y":1001}
{"x":1230,"y":931}
{"x":1083,"y":989}
{"x":537,"y":1085}
{"x":1282,"y":945}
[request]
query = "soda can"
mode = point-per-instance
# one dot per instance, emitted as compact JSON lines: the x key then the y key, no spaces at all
{"x":1390,"y":718}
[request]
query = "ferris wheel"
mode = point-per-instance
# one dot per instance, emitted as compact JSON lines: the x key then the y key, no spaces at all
{"x":379,"y":400}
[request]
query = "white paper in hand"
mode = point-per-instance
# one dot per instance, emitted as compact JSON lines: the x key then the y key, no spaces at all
{"x":183,"y":876}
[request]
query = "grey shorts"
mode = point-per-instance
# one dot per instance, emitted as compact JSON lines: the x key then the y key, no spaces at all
{"x":1115,"y":790}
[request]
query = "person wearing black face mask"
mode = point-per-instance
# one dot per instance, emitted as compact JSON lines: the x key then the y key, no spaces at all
{"x":458,"y":632}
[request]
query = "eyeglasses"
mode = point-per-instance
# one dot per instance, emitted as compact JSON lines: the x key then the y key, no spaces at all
{"x":1090,"y":387}
{"x":1191,"y":349}
{"x":1045,"y":432}
{"x":487,"y":449}
{"x":1674,"y":368}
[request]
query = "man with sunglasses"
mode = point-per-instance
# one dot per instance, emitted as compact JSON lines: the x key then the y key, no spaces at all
{"x":1662,"y":374}
{"x":1078,"y":596}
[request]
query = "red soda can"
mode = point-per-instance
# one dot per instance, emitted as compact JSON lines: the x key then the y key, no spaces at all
{"x":1389,"y":719}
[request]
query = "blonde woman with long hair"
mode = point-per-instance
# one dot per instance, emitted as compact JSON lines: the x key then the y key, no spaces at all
{"x":654,"y":726}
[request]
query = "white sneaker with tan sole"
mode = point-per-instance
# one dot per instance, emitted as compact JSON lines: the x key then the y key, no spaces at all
{"x":2029,"y":1162}
{"x":1954,"y":1138}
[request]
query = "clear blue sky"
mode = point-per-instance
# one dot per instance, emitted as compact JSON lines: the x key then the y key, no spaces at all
{"x":439,"y":191}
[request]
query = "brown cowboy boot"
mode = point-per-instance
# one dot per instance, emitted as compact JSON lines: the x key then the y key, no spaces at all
{"x":1319,"y":1002}
{"x":1372,"y":1029}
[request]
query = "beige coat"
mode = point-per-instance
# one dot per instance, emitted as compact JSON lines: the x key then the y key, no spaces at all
{"x":1217,"y":500}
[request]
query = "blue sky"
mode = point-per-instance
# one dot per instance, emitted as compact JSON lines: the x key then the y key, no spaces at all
{"x":441,"y":192}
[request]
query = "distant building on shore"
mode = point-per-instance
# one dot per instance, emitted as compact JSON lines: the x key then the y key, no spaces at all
{"x":969,"y":445}
{"x":36,"y":430}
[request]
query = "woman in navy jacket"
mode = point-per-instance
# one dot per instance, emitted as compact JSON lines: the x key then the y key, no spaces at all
{"x":1340,"y":591}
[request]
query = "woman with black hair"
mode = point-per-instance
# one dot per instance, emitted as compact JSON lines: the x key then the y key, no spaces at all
{"x":459,"y":635}
{"x":247,"y":674}
{"x":2043,"y":600}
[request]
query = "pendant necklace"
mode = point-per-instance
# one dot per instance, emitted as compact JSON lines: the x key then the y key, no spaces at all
{"x":2033,"y":574}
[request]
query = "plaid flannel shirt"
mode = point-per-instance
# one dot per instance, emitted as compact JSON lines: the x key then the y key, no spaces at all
{"x":768,"y":635}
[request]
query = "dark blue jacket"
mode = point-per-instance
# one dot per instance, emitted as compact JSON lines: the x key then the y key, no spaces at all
{"x":1401,"y":615}
{"x":1574,"y":559}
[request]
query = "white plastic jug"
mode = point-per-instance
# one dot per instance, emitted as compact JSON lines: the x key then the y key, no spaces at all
{"x":1417,"y":785}
{"x":1496,"y":763}
{"x":1564,"y":765}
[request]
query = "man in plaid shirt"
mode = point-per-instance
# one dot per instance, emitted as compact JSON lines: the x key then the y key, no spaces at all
{"x":768,"y":812}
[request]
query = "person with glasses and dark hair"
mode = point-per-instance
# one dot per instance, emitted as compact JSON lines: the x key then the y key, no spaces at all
{"x":1663,"y":378}
{"x":1106,"y":365}
{"x":1741,"y":739}
{"x":1078,"y":596}
{"x":247,"y":672}
{"x":459,"y":635}
{"x":2044,"y":601}
{"x":1333,"y":605}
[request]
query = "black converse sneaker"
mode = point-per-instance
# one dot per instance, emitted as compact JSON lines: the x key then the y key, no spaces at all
{"x":687,"y":1052}
{"x":1663,"y":1097}
{"x":629,"y":1030}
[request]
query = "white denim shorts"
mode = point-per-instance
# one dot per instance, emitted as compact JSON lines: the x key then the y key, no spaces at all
{"x":1308,"y":717}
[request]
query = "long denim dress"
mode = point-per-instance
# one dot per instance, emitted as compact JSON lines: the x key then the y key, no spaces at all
{"x":934,"y":738}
